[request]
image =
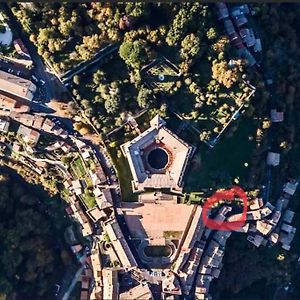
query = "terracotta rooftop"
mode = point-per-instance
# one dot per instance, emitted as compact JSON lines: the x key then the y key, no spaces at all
{"x":17,"y":86}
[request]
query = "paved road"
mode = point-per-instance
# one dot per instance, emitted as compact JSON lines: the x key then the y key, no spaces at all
{"x":67,"y":293}
{"x":73,"y":283}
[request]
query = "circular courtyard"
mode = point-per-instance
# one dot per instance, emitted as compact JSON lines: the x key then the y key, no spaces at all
{"x":158,"y":158}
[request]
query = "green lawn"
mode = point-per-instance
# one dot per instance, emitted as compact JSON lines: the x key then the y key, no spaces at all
{"x":225,"y":161}
{"x":161,"y":67}
{"x":124,"y":175}
{"x":89,"y":200}
{"x":78,"y":168}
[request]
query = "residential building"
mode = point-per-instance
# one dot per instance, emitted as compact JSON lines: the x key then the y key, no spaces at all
{"x":290,"y":187}
{"x":288,"y":216}
{"x":20,"y":48}
{"x":222,"y":10}
{"x":255,"y":204}
{"x":103,"y":197}
{"x":257,"y":47}
{"x":85,"y":282}
{"x":256,"y":240}
{"x":97,"y":272}
{"x":247,"y":36}
{"x":237,"y":13}
{"x":276,"y":116}
{"x":8,"y":104}
{"x":48,"y":125}
{"x":96,"y":214}
{"x":17,"y":86}
{"x":98,"y":176}
{"x":247,"y":56}
{"x":120,"y":245}
{"x":273,"y":159}
{"x":76,"y":248}
{"x":84,"y":295}
{"x":4,"y":126}
{"x":229,"y":28}
{"x":29,"y":135}
{"x":263,"y":227}
{"x":236,"y":41}
{"x":86,"y":229}
{"x":140,"y":292}
{"x":77,"y":187}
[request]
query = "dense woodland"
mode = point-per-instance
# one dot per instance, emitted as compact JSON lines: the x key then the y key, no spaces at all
{"x":246,"y":266}
{"x":32,"y":255}
{"x":187,"y":34}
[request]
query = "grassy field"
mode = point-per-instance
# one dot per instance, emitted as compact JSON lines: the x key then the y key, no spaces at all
{"x":89,"y":200}
{"x":164,"y":68}
{"x":124,"y":175}
{"x":78,"y":168}
{"x":225,"y":161}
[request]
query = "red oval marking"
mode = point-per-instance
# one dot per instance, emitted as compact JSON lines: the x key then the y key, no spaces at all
{"x":228,"y":195}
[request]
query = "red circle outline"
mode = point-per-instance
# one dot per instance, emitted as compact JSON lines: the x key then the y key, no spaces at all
{"x":228,"y":195}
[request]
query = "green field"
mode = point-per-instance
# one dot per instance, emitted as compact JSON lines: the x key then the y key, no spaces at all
{"x":78,"y":168}
{"x":161,"y":67}
{"x":224,"y":162}
{"x":124,"y":175}
{"x":89,"y":200}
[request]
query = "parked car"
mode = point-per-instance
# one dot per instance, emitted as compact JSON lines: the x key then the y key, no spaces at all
{"x":34,"y":79}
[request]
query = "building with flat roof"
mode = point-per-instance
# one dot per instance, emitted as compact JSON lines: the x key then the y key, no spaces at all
{"x":110,"y":283}
{"x":120,"y":245}
{"x":17,"y":86}
{"x":157,"y":158}
{"x":4,"y":125}
{"x":141,"y":291}
{"x":273,"y":159}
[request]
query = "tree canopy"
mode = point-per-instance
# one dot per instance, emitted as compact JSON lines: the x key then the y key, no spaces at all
{"x":30,"y":263}
{"x":133,"y":53}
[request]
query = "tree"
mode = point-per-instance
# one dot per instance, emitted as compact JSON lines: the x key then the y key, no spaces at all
{"x":211,"y":33}
{"x":72,"y":108}
{"x":112,"y":104}
{"x":76,"y":79}
{"x":99,"y":76}
{"x":223,"y":74}
{"x":145,"y":97}
{"x":133,"y":53}
{"x":190,"y":46}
